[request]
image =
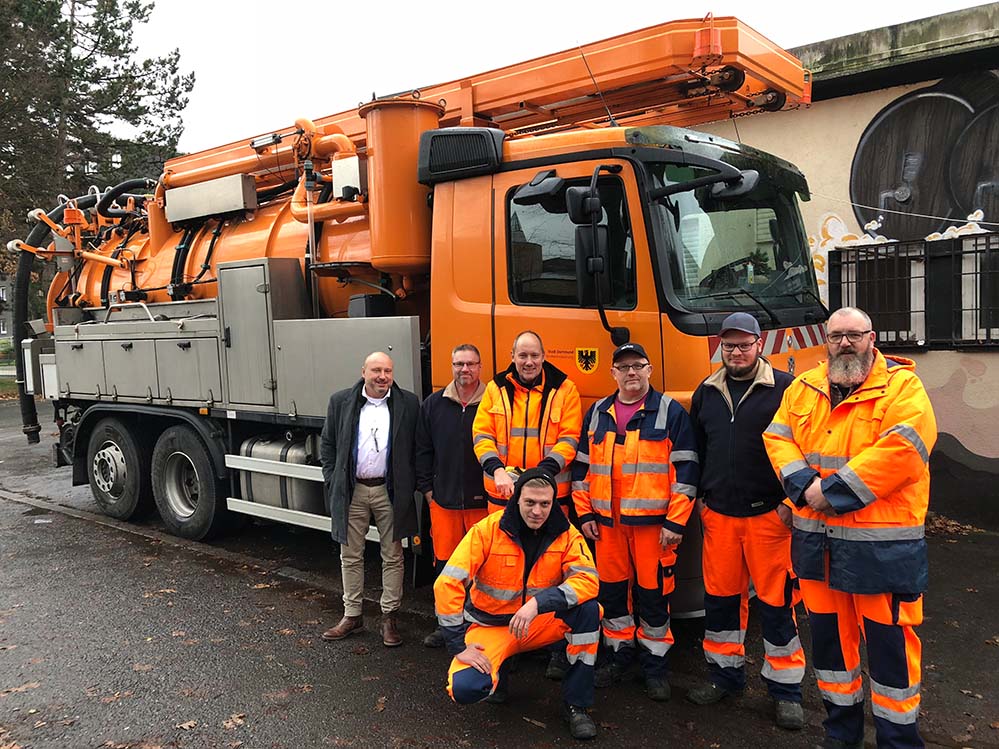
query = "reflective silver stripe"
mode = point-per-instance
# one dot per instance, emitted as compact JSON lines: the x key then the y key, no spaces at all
{"x":558,"y":459}
{"x":629,"y":469}
{"x":827,"y":462}
{"x":808,"y":524}
{"x":663,"y":414}
{"x":563,"y":476}
{"x":782,"y":675}
{"x":590,"y":659}
{"x":616,"y":645}
{"x":470,"y":617}
{"x":580,"y":486}
{"x":571,"y":441}
{"x":503,"y":450}
{"x":598,"y":469}
{"x":618,"y":623}
{"x":894,"y":693}
{"x":571,"y":596}
{"x":792,"y":468}
{"x":779,"y":651}
{"x":688,"y":489}
{"x":453,"y":570}
{"x":737,"y":636}
{"x":584,"y":638}
{"x":780,"y":429}
{"x":644,"y":504}
{"x":583,"y":457}
{"x":913,"y":436}
{"x":582,"y":569}
{"x":656,"y":647}
{"x":600,"y":504}
{"x":500,"y":594}
{"x":680,"y":455}
{"x":902,"y":719}
{"x":657,"y":633}
{"x":487,"y":455}
{"x":892,"y":533}
{"x":450,"y":620}
{"x":838,"y":677}
{"x":725,"y":661}
{"x":838,"y":698}
{"x":481,"y":438}
{"x":524,"y":432}
{"x":856,"y":484}
{"x":600,"y":406}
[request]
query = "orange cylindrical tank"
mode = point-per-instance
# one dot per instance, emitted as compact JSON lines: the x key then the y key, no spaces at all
{"x":399,"y":212}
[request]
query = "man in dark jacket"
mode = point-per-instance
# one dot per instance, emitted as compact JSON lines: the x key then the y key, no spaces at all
{"x":447,"y":471}
{"x":746,"y":525}
{"x":367,"y":456}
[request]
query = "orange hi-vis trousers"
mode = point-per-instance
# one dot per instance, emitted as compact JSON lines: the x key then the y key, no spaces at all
{"x":625,"y":553}
{"x":578,"y":625}
{"x":448,"y":527}
{"x":735,"y":550}
{"x":887,"y":623}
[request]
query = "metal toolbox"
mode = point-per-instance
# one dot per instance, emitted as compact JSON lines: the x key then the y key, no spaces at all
{"x":281,"y":491}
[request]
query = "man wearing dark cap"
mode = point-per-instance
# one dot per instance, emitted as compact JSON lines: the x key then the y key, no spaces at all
{"x":746,"y":525}
{"x":634,"y":482}
{"x":519,"y":580}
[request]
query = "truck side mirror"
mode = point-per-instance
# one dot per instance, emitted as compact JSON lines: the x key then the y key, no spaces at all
{"x":736,"y":188}
{"x":582,"y":205}
{"x":592,"y":267}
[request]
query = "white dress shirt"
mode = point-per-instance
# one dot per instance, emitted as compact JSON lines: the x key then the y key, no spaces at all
{"x":373,"y":438}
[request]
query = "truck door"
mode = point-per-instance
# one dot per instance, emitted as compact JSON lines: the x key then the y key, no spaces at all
{"x":537,"y":285}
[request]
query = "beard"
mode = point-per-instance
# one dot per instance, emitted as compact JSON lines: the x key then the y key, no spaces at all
{"x":740,"y":371}
{"x":850,"y":368}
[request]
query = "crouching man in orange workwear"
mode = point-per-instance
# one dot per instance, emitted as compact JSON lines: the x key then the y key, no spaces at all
{"x":851,"y":442}
{"x":521,"y":580}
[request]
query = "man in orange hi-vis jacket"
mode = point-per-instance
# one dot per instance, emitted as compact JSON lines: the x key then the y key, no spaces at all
{"x":851,"y":443}
{"x":634,"y":482}
{"x":521,"y":580}
{"x":529,"y":417}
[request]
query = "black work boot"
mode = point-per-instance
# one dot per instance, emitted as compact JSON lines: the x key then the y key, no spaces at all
{"x":581,"y":725}
{"x":558,"y":666}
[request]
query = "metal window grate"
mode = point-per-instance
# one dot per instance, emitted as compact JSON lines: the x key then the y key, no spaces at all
{"x":942,"y":294}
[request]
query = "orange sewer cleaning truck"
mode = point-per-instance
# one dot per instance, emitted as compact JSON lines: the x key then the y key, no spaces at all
{"x":198,"y":322}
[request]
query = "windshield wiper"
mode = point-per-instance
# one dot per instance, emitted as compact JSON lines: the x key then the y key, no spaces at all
{"x":732,"y":294}
{"x":812,"y":294}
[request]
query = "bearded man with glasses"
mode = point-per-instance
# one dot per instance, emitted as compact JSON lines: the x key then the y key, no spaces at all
{"x":746,"y":525}
{"x":851,"y":442}
{"x":634,"y":482}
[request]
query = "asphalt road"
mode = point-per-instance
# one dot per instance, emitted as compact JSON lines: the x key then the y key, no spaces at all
{"x":118,"y":636}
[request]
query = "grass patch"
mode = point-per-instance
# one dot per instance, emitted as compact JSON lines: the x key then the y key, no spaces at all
{"x":8,"y":387}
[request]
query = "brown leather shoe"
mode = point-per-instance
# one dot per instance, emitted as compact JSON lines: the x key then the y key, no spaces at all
{"x":390,"y":631}
{"x":347,"y":626}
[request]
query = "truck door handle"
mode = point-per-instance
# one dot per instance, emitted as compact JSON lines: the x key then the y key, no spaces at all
{"x":76,"y":346}
{"x":184,"y":345}
{"x":227,"y":337}
{"x":127,"y":346}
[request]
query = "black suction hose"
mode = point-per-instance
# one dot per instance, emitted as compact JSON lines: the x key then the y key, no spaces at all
{"x":37,"y":237}
{"x":104,"y":206}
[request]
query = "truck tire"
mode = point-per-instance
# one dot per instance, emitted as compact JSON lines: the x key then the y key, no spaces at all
{"x":118,"y":470}
{"x":191,"y":500}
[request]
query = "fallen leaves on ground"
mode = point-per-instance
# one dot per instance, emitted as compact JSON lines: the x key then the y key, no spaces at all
{"x":115,"y":697}
{"x":22,"y":688}
{"x":534,"y":722}
{"x":234,"y":721}
{"x":286,"y":632}
{"x":187,"y":725}
{"x":971,"y":694}
{"x":142,"y":667}
{"x":940,"y":525}
{"x":261,"y":586}
{"x":380,"y":704}
{"x":359,"y":650}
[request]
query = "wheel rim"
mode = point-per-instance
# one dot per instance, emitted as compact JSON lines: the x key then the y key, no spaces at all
{"x":109,"y":470}
{"x":181,"y":485}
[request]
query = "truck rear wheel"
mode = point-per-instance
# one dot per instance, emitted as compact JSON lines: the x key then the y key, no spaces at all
{"x":191,"y":500}
{"x":118,"y":470}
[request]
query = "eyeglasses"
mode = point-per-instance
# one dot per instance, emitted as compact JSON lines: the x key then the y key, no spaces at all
{"x":463,"y":364}
{"x":852,"y":337}
{"x":743,"y":347}
{"x":631,"y":367}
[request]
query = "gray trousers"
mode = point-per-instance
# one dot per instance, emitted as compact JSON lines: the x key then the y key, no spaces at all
{"x":370,"y":501}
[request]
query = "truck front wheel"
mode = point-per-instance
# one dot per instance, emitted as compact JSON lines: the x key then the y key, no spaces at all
{"x":190,"y":499}
{"x":118,"y":470}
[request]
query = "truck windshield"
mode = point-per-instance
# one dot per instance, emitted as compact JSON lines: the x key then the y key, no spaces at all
{"x":727,"y":253}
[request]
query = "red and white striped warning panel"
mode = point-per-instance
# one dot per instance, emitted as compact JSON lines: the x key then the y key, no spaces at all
{"x":779,"y":341}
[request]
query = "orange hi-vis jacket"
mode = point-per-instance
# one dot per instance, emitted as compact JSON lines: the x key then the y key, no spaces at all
{"x":872,"y":454}
{"x":657,"y":463}
{"x":522,"y":427}
{"x":488,"y":577}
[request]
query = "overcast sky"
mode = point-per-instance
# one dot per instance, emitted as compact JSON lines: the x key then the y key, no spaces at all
{"x":261,"y":65}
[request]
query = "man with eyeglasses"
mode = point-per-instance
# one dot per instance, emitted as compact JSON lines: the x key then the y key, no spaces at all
{"x":851,"y":442}
{"x":634,"y":482}
{"x":447,"y":471}
{"x":746,"y":525}
{"x":368,"y":470}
